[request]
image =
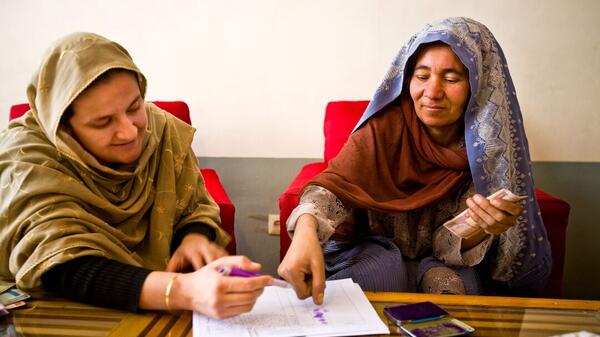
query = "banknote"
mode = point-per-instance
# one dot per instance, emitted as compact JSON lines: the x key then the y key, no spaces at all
{"x":12,"y":295}
{"x":3,"y":310}
{"x":464,"y":227}
{"x":4,"y":285}
{"x":15,"y":305}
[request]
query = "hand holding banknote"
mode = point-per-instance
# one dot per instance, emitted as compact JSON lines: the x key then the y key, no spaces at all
{"x":494,"y":214}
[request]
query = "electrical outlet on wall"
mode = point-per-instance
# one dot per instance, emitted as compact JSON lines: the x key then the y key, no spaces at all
{"x":273,"y":224}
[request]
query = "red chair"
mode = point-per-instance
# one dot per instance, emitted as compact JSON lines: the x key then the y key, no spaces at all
{"x":211,"y":179}
{"x":340,"y":119}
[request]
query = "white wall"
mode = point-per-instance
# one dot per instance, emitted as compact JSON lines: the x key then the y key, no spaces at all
{"x":257,"y":74}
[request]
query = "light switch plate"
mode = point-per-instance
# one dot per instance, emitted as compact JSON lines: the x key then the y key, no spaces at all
{"x":273,"y":227}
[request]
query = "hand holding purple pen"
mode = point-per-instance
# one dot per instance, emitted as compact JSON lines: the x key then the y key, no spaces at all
{"x":232,"y":271}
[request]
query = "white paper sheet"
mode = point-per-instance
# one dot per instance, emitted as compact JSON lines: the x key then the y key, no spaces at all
{"x":278,"y":312}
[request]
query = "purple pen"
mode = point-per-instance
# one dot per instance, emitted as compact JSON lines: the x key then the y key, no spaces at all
{"x":232,"y":271}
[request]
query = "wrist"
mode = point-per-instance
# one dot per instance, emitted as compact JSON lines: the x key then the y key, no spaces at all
{"x":306,"y":223}
{"x":176,"y":299}
{"x":473,"y":240}
{"x":169,"y":292}
{"x":195,"y":236}
{"x":154,"y":291}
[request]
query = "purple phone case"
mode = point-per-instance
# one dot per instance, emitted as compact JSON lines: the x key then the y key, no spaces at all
{"x":415,"y":311}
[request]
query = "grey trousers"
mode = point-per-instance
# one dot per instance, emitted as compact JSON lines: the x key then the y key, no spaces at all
{"x":376,"y":264}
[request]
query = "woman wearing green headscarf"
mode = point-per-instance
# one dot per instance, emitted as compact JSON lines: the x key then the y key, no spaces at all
{"x":101,"y":199}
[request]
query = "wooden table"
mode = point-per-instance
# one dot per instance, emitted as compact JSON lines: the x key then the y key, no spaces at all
{"x":490,"y":316}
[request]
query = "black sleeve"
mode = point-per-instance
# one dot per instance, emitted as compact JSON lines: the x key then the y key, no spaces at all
{"x":194,"y":227}
{"x":98,"y":281}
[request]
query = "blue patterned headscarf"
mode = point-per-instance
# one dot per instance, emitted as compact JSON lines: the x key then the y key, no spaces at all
{"x":494,"y":137}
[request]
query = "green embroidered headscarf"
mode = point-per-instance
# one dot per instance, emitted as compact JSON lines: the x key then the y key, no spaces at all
{"x":58,"y":202}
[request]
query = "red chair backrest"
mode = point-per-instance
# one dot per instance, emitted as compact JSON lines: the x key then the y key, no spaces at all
{"x":18,"y":110}
{"x":340,"y":119}
{"x":179,"y":109}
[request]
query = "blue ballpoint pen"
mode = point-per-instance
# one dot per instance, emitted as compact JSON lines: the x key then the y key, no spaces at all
{"x":232,"y":271}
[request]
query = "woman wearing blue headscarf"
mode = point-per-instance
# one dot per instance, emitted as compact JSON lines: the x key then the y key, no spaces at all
{"x":442,"y":131}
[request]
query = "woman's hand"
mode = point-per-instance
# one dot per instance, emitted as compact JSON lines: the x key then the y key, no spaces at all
{"x":303,"y":265}
{"x":213,"y":294}
{"x":493,"y":216}
{"x":194,"y":252}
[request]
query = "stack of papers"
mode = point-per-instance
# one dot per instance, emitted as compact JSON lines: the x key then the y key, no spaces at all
{"x":345,"y":311}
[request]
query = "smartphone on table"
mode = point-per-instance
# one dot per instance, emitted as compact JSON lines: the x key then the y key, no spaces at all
{"x":426,"y":319}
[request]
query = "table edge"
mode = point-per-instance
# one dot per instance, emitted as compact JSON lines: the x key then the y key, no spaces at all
{"x":520,"y":302}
